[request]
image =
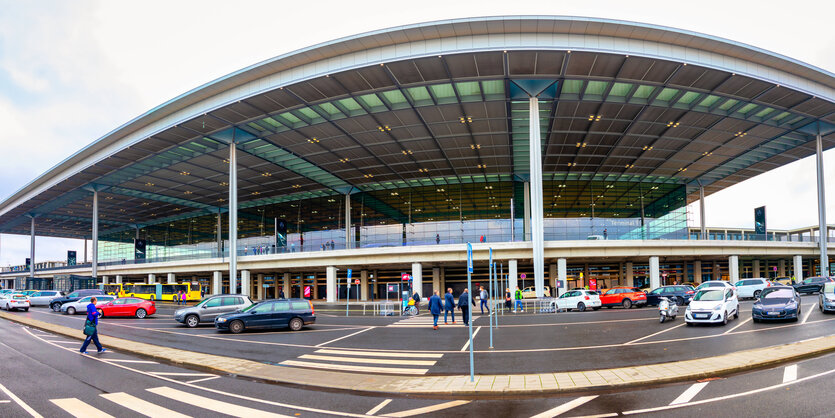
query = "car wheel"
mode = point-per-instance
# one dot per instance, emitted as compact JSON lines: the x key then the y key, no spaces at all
{"x":820,"y":306}
{"x":736,"y":313}
{"x":627,"y":304}
{"x":56,"y":307}
{"x":679,"y":301}
{"x":689,"y":324}
{"x":192,"y":321}
{"x":581,"y":306}
{"x":725,"y":318}
{"x":757,"y":294}
{"x":70,"y":311}
{"x":296,"y":324}
{"x":756,"y":320}
{"x":141,"y":313}
{"x":25,"y":309}
{"x":595,"y":309}
{"x":608,"y":307}
{"x":236,"y":327}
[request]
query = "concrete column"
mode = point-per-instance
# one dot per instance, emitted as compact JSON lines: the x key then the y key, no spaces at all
{"x":171,"y":279}
{"x":781,"y":268}
{"x":364,"y":285}
{"x":442,"y":280}
{"x":348,"y":220}
{"x":552,"y":278}
{"x":105,"y":280}
{"x":260,"y":284}
{"x":118,"y":279}
{"x":702,"y":223}
{"x":217,"y":282}
{"x":798,"y":268}
{"x":331,"y":284}
{"x":562,"y":275}
{"x":630,"y":274}
{"x":315,"y":285}
{"x":246,"y":281}
{"x":733,"y":268}
{"x":823,"y":231}
{"x":512,"y":275}
{"x":436,"y":281}
{"x":537,"y":214}
{"x":697,"y":271}
{"x":152,"y":278}
{"x":526,"y":222}
{"x":757,"y":271}
{"x":654,"y":273}
{"x":417,"y":279}
{"x":288,"y":292}
{"x":233,"y":218}
{"x":32,"y":251}
{"x":95,"y":236}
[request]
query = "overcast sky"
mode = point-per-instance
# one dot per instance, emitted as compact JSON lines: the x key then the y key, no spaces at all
{"x":71,"y":71}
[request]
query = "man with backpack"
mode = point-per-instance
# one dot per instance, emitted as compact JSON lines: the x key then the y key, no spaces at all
{"x":519,"y":297}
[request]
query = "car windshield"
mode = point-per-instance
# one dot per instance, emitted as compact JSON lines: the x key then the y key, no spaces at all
{"x":777,"y":294}
{"x":708,"y":295}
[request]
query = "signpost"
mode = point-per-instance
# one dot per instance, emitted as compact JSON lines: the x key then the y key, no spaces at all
{"x":357,"y":282}
{"x":348,"y":292}
{"x":490,"y":294}
{"x":470,"y":316}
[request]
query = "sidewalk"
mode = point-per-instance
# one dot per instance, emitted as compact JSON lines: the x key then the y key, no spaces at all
{"x":460,"y":385}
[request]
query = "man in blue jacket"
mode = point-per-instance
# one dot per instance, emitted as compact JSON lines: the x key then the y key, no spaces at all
{"x":449,"y":305}
{"x":92,"y":317}
{"x":435,"y":308}
{"x":464,"y":305}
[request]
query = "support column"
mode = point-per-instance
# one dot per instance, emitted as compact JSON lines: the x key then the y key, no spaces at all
{"x":171,"y":279}
{"x":118,"y":279}
{"x":286,"y":286}
{"x":703,"y":224}
{"x":217,"y":282}
{"x":260,"y":284}
{"x":823,"y":232}
{"x":526,"y":222}
{"x":331,"y":284}
{"x":219,"y":235}
{"x":757,"y":271}
{"x":537,"y":215}
{"x":417,"y":280}
{"x":95,"y":233}
{"x":246,"y":283}
{"x":442,"y":280}
{"x":654,"y":274}
{"x":152,"y":279}
{"x":552,"y":279}
{"x":630,"y":274}
{"x":364,"y":285}
{"x":233,"y":218}
{"x":32,"y":249}
{"x":781,"y":268}
{"x":733,"y":268}
{"x":798,"y":268}
{"x":697,"y":272}
{"x":512,"y":275}
{"x":347,"y":221}
{"x":436,"y":280}
{"x":105,"y":280}
{"x":562,"y":276}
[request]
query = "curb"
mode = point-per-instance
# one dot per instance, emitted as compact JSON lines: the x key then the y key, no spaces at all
{"x":459,"y":385}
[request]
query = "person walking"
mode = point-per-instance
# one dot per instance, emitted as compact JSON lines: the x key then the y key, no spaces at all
{"x":449,"y":305}
{"x":416,"y":298}
{"x":91,"y":327}
{"x":435,"y":308}
{"x":437,"y":238}
{"x":184,"y":297}
{"x":519,"y":298}
{"x":508,"y":299}
{"x":464,"y":305}
{"x":484,"y":296}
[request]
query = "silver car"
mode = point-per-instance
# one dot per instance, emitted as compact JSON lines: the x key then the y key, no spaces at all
{"x":43,"y":297}
{"x":80,"y":306}
{"x":209,"y":308}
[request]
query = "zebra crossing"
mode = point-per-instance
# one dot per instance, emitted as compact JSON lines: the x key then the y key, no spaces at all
{"x":423,"y":322}
{"x":386,"y":362}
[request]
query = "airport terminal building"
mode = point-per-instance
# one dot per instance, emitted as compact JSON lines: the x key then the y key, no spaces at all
{"x":569,"y":146}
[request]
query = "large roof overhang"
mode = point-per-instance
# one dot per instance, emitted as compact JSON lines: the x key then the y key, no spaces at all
{"x":437,"y":104}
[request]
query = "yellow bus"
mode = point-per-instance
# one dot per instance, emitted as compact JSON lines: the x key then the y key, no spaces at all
{"x":158,"y":291}
{"x":113,"y":289}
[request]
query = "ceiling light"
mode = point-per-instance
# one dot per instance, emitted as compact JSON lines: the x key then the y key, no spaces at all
{"x":331,"y":200}
{"x":383,"y":128}
{"x":187,"y":192}
{"x":297,"y":186}
{"x":266,"y":174}
{"x":423,"y":170}
{"x":475,"y":146}
{"x":149,"y":184}
{"x":344,"y":160}
{"x":440,"y":190}
{"x":184,"y":173}
{"x":368,"y":176}
{"x":395,"y":194}
{"x":223,"y":183}
{"x":406,"y":152}
{"x":313,"y":140}
{"x":482,"y":166}
{"x":256,"y":193}
{"x":673,"y":124}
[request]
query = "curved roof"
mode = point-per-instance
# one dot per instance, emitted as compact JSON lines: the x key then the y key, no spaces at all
{"x":715,"y":111}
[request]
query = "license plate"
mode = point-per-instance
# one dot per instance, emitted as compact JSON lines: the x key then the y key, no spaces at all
{"x":774,"y":313}
{"x":701,"y":316}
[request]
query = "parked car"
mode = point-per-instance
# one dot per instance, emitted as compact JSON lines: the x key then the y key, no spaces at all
{"x":579,"y":299}
{"x":530,"y":292}
{"x":14,"y":301}
{"x":209,"y":308}
{"x":812,"y":284}
{"x":56,"y":303}
{"x":292,"y":313}
{"x":623,"y":296}
{"x":80,"y":306}
{"x":778,"y":302}
{"x":751,"y":288}
{"x":712,"y":306}
{"x":714,"y":283}
{"x":826,"y":299}
{"x":785,"y":280}
{"x":43,"y":297}
{"x":139,"y":308}
{"x":680,"y":294}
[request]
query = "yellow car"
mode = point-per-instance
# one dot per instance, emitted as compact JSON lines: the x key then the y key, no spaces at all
{"x":783,"y":280}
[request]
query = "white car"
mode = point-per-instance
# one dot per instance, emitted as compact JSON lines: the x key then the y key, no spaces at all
{"x":43,"y":297}
{"x":579,"y":300}
{"x":751,"y":288}
{"x":712,"y":306}
{"x":715,"y":284}
{"x":14,"y":301}
{"x":80,"y":306}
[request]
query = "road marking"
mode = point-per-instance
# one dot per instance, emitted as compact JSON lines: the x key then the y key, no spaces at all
{"x":181,"y":374}
{"x":378,"y":354}
{"x":369,"y":360}
{"x":343,"y":337}
{"x":346,"y":367}
{"x":377,"y":408}
{"x":5,"y":401}
{"x":428,"y":409}
{"x":790,"y":373}
{"x":211,"y":404}
{"x":133,"y":361}
{"x":20,"y":402}
{"x":652,"y":335}
{"x":79,"y":409}
{"x":141,"y":406}
{"x":690,"y":393}
{"x":203,"y":379}
{"x":564,"y":407}
{"x":467,"y":345}
{"x":613,"y":414}
{"x":806,"y":317}
{"x":738,"y":325}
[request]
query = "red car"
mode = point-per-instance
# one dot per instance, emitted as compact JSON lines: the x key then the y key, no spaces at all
{"x":623,"y":296}
{"x":139,"y":308}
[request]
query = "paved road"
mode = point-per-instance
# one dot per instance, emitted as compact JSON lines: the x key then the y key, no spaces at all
{"x":521,"y":343}
{"x":44,"y":375}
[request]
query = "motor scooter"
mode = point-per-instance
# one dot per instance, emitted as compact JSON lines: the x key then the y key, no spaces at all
{"x":667,"y":310}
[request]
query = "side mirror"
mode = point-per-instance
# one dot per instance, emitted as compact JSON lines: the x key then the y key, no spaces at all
{"x":203,"y":307}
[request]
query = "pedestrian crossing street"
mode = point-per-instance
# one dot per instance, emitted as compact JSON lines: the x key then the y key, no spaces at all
{"x":387,"y":362}
{"x":426,"y":322}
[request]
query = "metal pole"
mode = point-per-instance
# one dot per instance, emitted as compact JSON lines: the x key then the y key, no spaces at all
{"x":348,"y":222}
{"x":502,"y":278}
{"x":233,"y":218}
{"x":219,"y":235}
{"x":32,"y":249}
{"x":95,"y":266}
{"x":490,"y":293}
{"x":470,"y":324}
{"x":347,"y":293}
{"x":701,"y":212}
{"x":823,"y":232}
{"x":537,"y":231}
{"x":512,"y":222}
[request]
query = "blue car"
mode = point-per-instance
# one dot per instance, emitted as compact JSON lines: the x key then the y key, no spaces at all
{"x":680,"y":294}
{"x":775,"y":303}
{"x":275,"y":313}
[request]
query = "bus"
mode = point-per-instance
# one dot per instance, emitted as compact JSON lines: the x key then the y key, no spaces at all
{"x":156,"y":291}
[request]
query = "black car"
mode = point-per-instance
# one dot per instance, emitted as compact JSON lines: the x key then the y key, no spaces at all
{"x":56,"y":303}
{"x":681,"y":294}
{"x":812,"y":284}
{"x":777,"y":302}
{"x":274,"y":313}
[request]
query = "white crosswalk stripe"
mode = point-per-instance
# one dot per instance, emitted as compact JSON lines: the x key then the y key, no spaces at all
{"x":388,"y":362}
{"x":421,"y":322}
{"x":79,"y":409}
{"x":212,"y":404}
{"x":141,"y":406}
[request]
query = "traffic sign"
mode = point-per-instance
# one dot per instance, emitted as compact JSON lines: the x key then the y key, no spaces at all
{"x":357,"y":281}
{"x":469,"y":257}
{"x":405,"y":276}
{"x":523,"y":275}
{"x":392,"y":288}
{"x":349,"y":273}
{"x":775,"y":268}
